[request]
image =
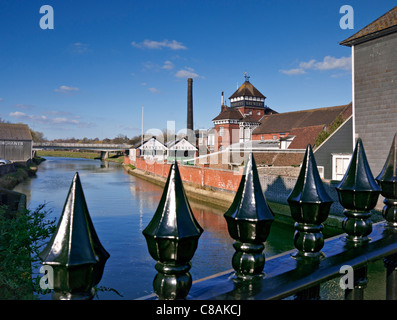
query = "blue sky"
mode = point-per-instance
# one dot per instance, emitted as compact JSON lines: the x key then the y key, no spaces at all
{"x":104,"y":60}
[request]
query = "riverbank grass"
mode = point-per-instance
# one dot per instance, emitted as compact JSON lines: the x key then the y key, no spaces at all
{"x":78,"y":155}
{"x":67,"y":154}
{"x":10,"y":180}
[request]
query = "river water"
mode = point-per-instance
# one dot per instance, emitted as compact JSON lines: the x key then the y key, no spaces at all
{"x":121,"y":206}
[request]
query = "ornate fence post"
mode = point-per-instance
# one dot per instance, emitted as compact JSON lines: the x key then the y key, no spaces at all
{"x":74,"y":252}
{"x":358,"y":193}
{"x":172,"y":238}
{"x":309,"y":204}
{"x":249,"y":219}
{"x":387,"y":179}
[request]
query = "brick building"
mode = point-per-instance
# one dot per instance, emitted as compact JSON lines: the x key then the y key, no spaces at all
{"x":297,"y":129}
{"x":235,"y":123}
{"x":374,"y":56}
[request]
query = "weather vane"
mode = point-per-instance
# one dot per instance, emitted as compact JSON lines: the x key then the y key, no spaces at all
{"x":246,"y":76}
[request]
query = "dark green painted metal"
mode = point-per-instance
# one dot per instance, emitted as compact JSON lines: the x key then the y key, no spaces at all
{"x":309,"y":204}
{"x":387,"y":179}
{"x":172,"y":238}
{"x":358,"y":193}
{"x":249,"y":219}
{"x":286,"y":276}
{"x":74,"y":251}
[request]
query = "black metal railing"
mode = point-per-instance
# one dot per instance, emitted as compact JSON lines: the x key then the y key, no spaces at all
{"x":173,"y":233}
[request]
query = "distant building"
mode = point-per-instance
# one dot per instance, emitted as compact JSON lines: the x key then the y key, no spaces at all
{"x":374,"y":55}
{"x":15,"y":142}
{"x":181,"y":150}
{"x":297,"y":129}
{"x":150,"y":149}
{"x":235,"y":123}
{"x":279,"y":139}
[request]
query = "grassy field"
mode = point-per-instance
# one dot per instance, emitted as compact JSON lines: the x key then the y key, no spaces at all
{"x":67,"y":154}
{"x":76,"y":154}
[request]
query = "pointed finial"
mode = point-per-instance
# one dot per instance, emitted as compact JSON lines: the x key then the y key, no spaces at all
{"x":309,"y":205}
{"x":74,"y":251}
{"x":387,"y":179}
{"x":358,"y":193}
{"x":249,"y":219}
{"x":172,"y":238}
{"x":246,"y":76}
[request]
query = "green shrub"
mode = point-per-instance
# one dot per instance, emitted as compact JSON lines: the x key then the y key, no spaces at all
{"x":22,"y":237}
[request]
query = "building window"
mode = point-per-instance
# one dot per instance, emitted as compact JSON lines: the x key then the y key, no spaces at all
{"x":221,"y":131}
{"x":262,"y":137}
{"x":275,"y":137}
{"x":258,"y":113}
{"x":340,"y":163}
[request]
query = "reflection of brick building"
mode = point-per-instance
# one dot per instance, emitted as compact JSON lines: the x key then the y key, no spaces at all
{"x":236,"y":123}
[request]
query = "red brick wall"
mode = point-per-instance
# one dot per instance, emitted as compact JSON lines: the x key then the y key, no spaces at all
{"x":200,"y":175}
{"x":231,"y":135}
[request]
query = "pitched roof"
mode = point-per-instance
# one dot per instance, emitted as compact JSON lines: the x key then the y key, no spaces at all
{"x":304,"y":136}
{"x":11,"y":131}
{"x":247,"y":89}
{"x":285,"y":122}
{"x":385,"y":24}
{"x":234,"y":114}
{"x":229,"y":113}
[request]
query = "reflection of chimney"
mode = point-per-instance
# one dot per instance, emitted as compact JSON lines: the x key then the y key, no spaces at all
{"x":189,"y":122}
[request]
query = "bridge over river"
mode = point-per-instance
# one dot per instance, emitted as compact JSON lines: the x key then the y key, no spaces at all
{"x":104,"y":148}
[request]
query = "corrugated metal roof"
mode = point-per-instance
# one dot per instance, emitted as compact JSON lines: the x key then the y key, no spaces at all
{"x":11,"y":131}
{"x":383,"y":25}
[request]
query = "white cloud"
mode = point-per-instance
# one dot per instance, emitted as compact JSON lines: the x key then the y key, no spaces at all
{"x":24,"y":116}
{"x":42,"y":119}
{"x":151,"y":44}
{"x":154,"y":90}
{"x":293,"y":71}
{"x":328,"y":63}
{"x":79,"y":47}
{"x":66,"y":89}
{"x":187,"y":73}
{"x":23,"y":106}
{"x":168,"y":65}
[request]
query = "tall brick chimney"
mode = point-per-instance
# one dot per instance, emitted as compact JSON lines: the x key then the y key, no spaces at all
{"x":189,"y":122}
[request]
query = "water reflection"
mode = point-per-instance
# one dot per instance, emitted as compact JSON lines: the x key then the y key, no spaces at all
{"x":121,"y":206}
